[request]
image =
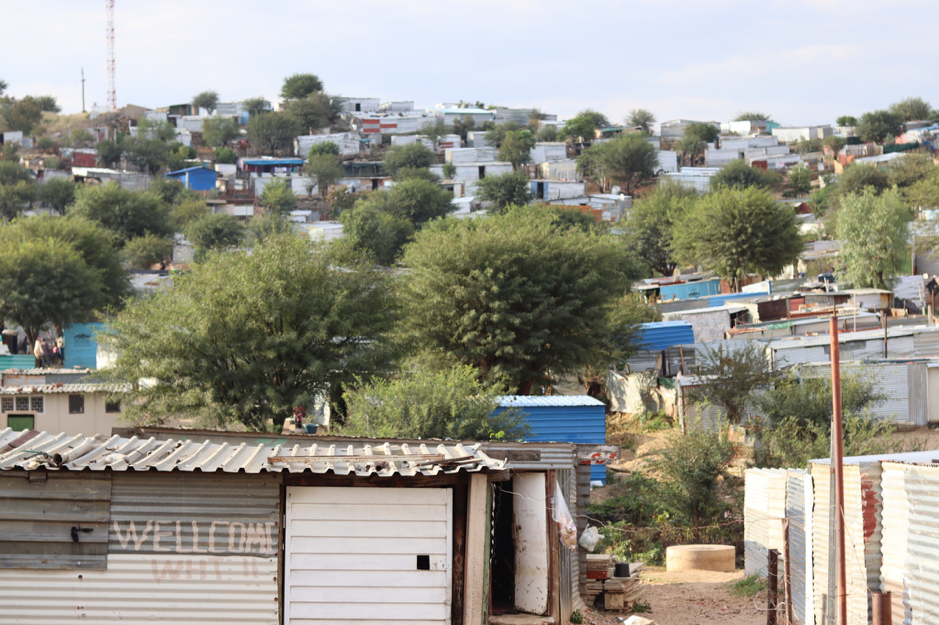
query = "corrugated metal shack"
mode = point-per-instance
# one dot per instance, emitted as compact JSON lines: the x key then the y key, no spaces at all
{"x":891,"y":539}
{"x":329,"y":530}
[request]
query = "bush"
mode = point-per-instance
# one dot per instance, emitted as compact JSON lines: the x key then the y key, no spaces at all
{"x":450,"y":403}
{"x":148,"y":250}
{"x":225,"y":156}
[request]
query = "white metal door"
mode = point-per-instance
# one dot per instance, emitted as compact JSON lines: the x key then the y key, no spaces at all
{"x":368,"y":556}
{"x":531,"y":543}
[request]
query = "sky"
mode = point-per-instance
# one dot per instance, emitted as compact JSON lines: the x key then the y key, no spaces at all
{"x":802,"y":62}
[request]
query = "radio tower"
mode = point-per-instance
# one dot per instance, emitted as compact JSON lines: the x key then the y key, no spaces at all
{"x":112,"y":92}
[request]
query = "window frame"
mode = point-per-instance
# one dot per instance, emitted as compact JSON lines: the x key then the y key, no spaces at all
{"x":73,"y":396}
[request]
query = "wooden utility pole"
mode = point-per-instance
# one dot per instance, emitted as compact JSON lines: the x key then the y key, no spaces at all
{"x":837,"y":472}
{"x":83,"y":90}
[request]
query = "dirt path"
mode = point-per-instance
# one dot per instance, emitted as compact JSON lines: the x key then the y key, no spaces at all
{"x":691,"y":598}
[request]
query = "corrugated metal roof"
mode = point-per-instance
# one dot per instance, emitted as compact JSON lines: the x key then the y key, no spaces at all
{"x":46,"y":371}
{"x":554,"y":401}
{"x":90,"y":387}
{"x":661,"y":335}
{"x":98,"y":453}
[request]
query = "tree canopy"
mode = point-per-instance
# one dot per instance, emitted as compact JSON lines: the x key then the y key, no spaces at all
{"x":218,"y":131}
{"x":273,"y":132}
{"x":752,"y":116}
{"x":584,"y":125}
{"x":509,"y":189}
{"x":128,"y":214}
{"x":873,"y":230}
{"x":416,"y":200}
{"x":912,"y":109}
{"x":516,"y":147}
{"x":642,"y":118}
{"x":376,"y":233}
{"x":847,"y":120}
{"x":148,"y":250}
{"x":298,"y":86}
{"x":450,"y":403}
{"x":738,"y":174}
{"x":314,"y":111}
{"x":324,"y":170}
{"x":211,"y":233}
{"x":205,"y":100}
{"x":514,"y":296}
{"x":729,"y":379}
{"x":736,"y":231}
{"x":858,"y":177}
{"x":277,"y":197}
{"x":877,"y":126}
{"x":496,"y":135}
{"x":415,"y":155}
{"x":651,"y":221}
{"x":246,"y":338}
{"x":57,"y":194}
{"x":628,"y":160}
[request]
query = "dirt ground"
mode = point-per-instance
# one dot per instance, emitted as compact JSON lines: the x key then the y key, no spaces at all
{"x":691,"y":598}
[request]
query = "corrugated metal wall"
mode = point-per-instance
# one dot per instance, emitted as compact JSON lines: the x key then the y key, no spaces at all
{"x":38,"y":511}
{"x":81,"y":348}
{"x":896,"y":522}
{"x":799,"y":513}
{"x":183,"y":548}
{"x":921,"y":568}
{"x":764,"y":509}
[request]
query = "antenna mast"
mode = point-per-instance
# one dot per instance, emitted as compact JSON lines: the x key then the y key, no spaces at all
{"x":109,"y":31}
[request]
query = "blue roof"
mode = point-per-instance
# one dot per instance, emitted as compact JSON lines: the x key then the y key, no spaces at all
{"x":273,"y":161}
{"x":188,"y":169}
{"x":553,"y":401}
{"x":661,"y":335}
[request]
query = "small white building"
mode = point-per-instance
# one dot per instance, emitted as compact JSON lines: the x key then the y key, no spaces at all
{"x":448,"y":115}
{"x":794,"y":134}
{"x":358,"y":105}
{"x":401,"y":140}
{"x":347,"y":142}
{"x":697,"y":178}
{"x":547,"y":152}
{"x":477,"y":139}
{"x":459,"y":156}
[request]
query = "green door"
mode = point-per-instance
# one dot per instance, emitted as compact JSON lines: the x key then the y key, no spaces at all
{"x":19,"y":422}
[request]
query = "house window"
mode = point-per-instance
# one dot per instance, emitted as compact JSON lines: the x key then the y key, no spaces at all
{"x":37,"y":404}
{"x":19,"y":422}
{"x":112,"y":406}
{"x":7,"y":404}
{"x":76,"y":404}
{"x":22,"y":403}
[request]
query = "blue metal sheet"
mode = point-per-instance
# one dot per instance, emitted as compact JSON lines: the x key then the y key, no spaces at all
{"x":564,"y":423}
{"x":81,"y":348}
{"x":21,"y":361}
{"x":663,"y":334}
{"x":721,"y":299}
{"x":690,"y":290}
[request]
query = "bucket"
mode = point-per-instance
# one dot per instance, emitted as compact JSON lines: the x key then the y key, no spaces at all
{"x":310,"y":428}
{"x":622,"y":569}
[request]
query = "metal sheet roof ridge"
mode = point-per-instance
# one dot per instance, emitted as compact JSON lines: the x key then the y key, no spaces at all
{"x":97,"y":453}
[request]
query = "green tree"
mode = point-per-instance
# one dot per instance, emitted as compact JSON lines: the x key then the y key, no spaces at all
{"x":145,"y":155}
{"x":155,"y":129}
{"x":80,"y":138}
{"x":847,"y":120}
{"x":128,"y":214}
{"x":299,"y":86}
{"x":873,"y":230}
{"x":643,"y":118}
{"x":877,"y":126}
{"x":416,"y":200}
{"x":314,"y":111}
{"x":256,"y":106}
{"x":629,"y":160}
{"x":729,"y":379}
{"x":496,"y":135}
{"x":46,"y":281}
{"x":434,"y":130}
{"x":325,"y":171}
{"x":377,"y":233}
{"x":246,"y":338}
{"x":753,"y":116}
{"x":462,"y":127}
{"x":858,"y":177}
{"x":16,"y":197}
{"x":909,"y":169}
{"x":516,"y":148}
{"x":508,"y":189}
{"x":924,"y":193}
{"x":320,"y":149}
{"x":57,"y":194}
{"x":548,"y":133}
{"x":218,"y":131}
{"x":513,"y":295}
{"x":738,"y":174}
{"x":205,"y":100}
{"x":449,"y":171}
{"x":911,"y":109}
{"x":651,"y":221}
{"x":273,"y":132}
{"x":170,"y":191}
{"x":834,"y":143}
{"x":736,"y":231}
{"x":695,"y":139}
{"x":535,"y":117}
{"x":212,"y":233}
{"x":806,"y":146}
{"x":278,"y":197}
{"x":96,"y":254}
{"x":800,"y":181}
{"x":409,"y":173}
{"x":263,"y":227}
{"x":694,"y":473}
{"x":450,"y":403}
{"x":48,"y":104}
{"x":109,"y":153}
{"x":24,"y":115}
{"x":591,"y":164}
{"x":414,"y":155}
{"x":225,"y":156}
{"x":148,"y":250}
{"x":187,"y":210}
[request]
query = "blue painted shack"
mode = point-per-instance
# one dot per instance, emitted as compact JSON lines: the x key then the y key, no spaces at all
{"x":81,"y":347}
{"x":577,"y":419}
{"x":661,"y":335}
{"x":195,"y":178}
{"x":689,"y":290}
